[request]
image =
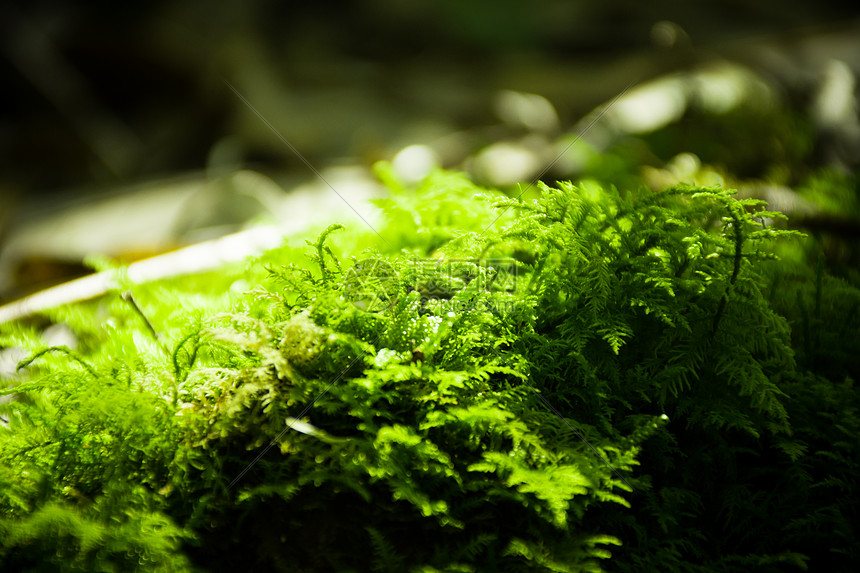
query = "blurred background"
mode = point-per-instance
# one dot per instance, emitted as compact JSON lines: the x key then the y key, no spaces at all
{"x":122,"y":135}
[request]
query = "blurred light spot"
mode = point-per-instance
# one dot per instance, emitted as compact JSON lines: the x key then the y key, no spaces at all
{"x":710,"y":178}
{"x":224,"y":157}
{"x":505,"y":164}
{"x":415,"y":162}
{"x":835,"y":103}
{"x":684,"y":166}
{"x":721,"y":89}
{"x":9,"y":359}
{"x":573,"y":154}
{"x":649,"y":107}
{"x":60,"y":335}
{"x":666,"y":34}
{"x":240,"y":286}
{"x":532,"y":111}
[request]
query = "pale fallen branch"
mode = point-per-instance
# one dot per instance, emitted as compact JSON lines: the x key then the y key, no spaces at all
{"x":196,"y":258}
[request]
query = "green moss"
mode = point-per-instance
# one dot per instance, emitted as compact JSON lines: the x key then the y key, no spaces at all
{"x":593,"y":378}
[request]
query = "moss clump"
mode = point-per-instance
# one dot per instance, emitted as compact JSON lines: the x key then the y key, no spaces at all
{"x":595,"y":371}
